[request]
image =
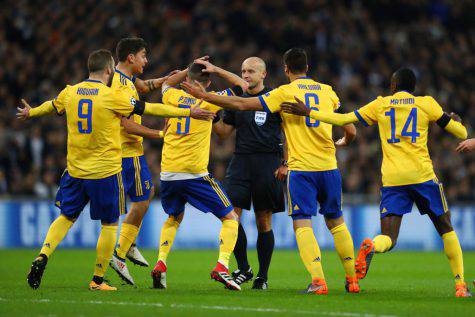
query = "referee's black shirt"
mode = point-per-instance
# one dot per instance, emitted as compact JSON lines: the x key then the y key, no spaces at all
{"x":256,"y":131}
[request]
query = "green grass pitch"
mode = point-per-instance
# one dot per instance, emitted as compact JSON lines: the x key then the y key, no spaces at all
{"x":398,"y":284}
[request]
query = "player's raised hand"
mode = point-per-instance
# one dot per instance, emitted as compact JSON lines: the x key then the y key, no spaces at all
{"x":201,"y":114}
{"x":202,"y":58}
{"x":297,"y":108}
{"x":196,"y":89}
{"x":281,"y":172}
{"x":466,"y":146}
{"x":23,"y":113}
{"x":209,"y":68}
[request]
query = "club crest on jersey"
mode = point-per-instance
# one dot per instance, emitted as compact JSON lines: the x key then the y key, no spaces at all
{"x":133,"y":101}
{"x":260,"y":117}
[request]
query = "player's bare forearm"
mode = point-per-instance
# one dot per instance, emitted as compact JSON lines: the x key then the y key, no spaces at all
{"x":222,"y":129}
{"x":137,"y":129}
{"x":232,"y":78}
{"x":176,"y":78}
{"x":227,"y":102}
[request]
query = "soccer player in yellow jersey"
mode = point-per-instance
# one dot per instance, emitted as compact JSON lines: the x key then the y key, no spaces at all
{"x":313,"y":174}
{"x":185,"y":178}
{"x":408,"y":175}
{"x":131,"y":54}
{"x":93,"y":111}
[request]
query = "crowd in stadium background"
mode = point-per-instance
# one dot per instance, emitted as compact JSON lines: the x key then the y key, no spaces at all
{"x":353,"y":45}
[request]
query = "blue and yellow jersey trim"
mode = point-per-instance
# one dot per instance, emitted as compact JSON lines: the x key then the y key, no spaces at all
{"x":218,"y":190}
{"x":121,"y":194}
{"x":138,"y":180}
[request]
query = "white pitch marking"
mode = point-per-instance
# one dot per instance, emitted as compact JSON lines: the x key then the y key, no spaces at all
{"x":204,"y":307}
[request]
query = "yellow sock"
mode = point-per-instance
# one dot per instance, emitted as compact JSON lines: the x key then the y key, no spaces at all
{"x":105,"y":248}
{"x":309,"y":251}
{"x":227,"y":240}
{"x":127,"y":236}
{"x":382,"y":243}
{"x":345,"y":248}
{"x":56,"y":233}
{"x":135,"y":240}
{"x":166,"y":238}
{"x":453,"y":251}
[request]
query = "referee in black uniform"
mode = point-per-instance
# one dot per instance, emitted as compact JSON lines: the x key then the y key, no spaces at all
{"x":251,"y":174}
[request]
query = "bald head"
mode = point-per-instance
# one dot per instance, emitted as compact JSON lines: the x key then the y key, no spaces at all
{"x":255,"y":63}
{"x":253,"y":71}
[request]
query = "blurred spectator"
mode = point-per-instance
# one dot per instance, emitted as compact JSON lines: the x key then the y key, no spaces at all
{"x":353,"y":45}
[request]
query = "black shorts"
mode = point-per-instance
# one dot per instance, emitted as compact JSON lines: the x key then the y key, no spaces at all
{"x":250,"y":177}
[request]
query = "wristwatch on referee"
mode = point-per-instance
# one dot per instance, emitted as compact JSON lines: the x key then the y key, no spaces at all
{"x":284,"y":163}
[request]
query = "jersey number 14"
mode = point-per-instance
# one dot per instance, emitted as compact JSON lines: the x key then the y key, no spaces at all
{"x":411,"y":123}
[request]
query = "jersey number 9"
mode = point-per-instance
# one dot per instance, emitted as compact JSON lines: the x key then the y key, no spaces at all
{"x":85,"y":113}
{"x":309,"y":122}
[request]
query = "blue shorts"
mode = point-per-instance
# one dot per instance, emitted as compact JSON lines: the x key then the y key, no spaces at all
{"x":106,"y":195}
{"x":204,"y":193}
{"x":304,"y":189}
{"x":137,"y":178}
{"x":428,"y":196}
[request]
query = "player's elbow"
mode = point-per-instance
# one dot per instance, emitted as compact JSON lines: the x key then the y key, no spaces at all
{"x":141,"y":89}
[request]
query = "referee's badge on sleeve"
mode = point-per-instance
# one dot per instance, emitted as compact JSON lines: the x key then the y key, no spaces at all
{"x":260,"y":117}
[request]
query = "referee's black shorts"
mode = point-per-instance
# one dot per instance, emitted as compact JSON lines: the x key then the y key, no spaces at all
{"x":250,"y":177}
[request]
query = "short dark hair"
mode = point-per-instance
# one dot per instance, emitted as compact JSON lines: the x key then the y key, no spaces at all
{"x":129,"y":45}
{"x":296,"y":60}
{"x":195,"y":72}
{"x":99,"y":60}
{"x":404,"y":79}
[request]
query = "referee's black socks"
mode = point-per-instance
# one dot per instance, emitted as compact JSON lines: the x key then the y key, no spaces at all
{"x":265,"y":247}
{"x":240,"y":250}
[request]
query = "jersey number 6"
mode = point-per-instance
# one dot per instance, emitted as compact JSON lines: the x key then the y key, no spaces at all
{"x":85,"y":113}
{"x":309,"y":122}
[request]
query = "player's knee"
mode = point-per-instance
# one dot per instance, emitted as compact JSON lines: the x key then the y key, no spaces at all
{"x":333,"y":222}
{"x":178,"y":218}
{"x":72,"y":219}
{"x":231,"y":216}
{"x":444,"y":224}
{"x":112,"y":224}
{"x":264,"y":221}
{"x":152,"y":194}
{"x":238,"y":211}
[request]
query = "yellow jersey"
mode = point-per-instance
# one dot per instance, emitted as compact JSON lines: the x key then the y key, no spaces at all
{"x":403,"y":122}
{"x":187,"y":140}
{"x":132,"y":145}
{"x":93,"y":113}
{"x":310,"y":143}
